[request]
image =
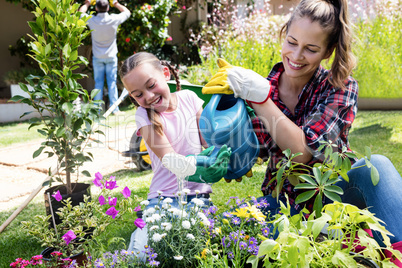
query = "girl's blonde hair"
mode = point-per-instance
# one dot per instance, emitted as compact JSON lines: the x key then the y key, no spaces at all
{"x":333,"y":17}
{"x":144,"y":57}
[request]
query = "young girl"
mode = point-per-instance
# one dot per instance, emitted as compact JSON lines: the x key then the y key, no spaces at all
{"x":168,"y":123}
{"x":301,"y":104}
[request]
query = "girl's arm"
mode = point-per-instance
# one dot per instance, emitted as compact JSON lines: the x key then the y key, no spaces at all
{"x":159,"y":144}
{"x":198,"y":115}
{"x":285,"y":133}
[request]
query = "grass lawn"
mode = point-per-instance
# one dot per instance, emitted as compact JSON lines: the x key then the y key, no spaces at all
{"x":381,"y":131}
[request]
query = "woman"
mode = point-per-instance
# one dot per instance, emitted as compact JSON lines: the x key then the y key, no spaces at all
{"x":301,"y":104}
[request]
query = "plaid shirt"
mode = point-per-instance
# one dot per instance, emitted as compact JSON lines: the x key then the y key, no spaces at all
{"x":323,"y":112}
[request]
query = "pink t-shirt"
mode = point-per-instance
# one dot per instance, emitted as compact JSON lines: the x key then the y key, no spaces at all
{"x":181,"y":129}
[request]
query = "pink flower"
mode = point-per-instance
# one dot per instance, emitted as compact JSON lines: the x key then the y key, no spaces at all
{"x":183,"y":7}
{"x":140,"y":223}
{"x":102,"y":200}
{"x":138,"y":208}
{"x":126,"y":192}
{"x":69,"y":236}
{"x":112,"y":212}
{"x":112,"y":201}
{"x":169,"y":38}
{"x":98,"y":180}
{"x":111,"y":184}
{"x":57,"y":196}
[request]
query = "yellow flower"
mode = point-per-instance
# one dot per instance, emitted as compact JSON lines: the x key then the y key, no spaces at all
{"x":242,"y":212}
{"x":256,"y":213}
{"x":246,"y":237}
{"x":204,"y":253}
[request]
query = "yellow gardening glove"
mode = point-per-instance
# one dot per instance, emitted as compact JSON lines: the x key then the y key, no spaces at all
{"x":243,"y":83}
{"x":218,"y":83}
{"x":111,"y":3}
{"x":93,"y":2}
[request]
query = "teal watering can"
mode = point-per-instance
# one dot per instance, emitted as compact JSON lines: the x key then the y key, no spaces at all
{"x":225,"y":120}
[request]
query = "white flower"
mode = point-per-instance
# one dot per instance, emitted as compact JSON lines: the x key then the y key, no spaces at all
{"x":145,"y":203}
{"x":190,"y":236}
{"x":198,"y":202}
{"x":178,"y":258}
{"x":154,"y":228}
{"x":197,"y":191}
{"x":165,"y":206}
{"x":186,"y":225}
{"x":184,"y":203}
{"x":161,"y":197}
{"x":149,"y":211}
{"x":174,"y":211}
{"x":193,"y":221}
{"x":156,"y":217}
{"x":206,"y":222}
{"x":168,"y":200}
{"x":156,"y":237}
{"x":149,"y":220}
{"x":156,"y":207}
{"x":159,"y":192}
{"x":186,"y":191}
{"x":167,"y":226}
{"x":163,"y":235}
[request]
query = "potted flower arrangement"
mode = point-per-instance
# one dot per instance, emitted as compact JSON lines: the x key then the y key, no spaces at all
{"x":82,"y":225}
{"x":67,"y":113}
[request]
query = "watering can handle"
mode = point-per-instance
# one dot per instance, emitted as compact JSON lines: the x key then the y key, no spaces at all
{"x":210,"y":108}
{"x":207,"y":160}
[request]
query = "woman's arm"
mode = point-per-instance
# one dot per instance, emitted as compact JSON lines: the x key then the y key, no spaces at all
{"x":285,"y":133}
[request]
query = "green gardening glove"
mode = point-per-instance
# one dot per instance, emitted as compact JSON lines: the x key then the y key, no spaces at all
{"x":212,"y":165}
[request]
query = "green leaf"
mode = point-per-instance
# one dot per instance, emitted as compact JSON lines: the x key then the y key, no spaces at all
{"x":266,"y":247}
{"x":375,"y":176}
{"x":303,"y":197}
{"x":367,"y":151}
{"x":68,"y":107}
{"x":346,"y":165}
{"x":334,"y":189}
{"x":308,"y":179}
{"x":317,"y":207}
{"x":331,"y":195}
{"x":305,"y":186}
{"x":38,"y":151}
{"x":86,"y":173}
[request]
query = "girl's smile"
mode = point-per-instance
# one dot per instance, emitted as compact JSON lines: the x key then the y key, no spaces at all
{"x":147,"y":85}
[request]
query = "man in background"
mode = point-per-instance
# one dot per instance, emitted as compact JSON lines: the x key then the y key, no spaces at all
{"x":104,"y":47}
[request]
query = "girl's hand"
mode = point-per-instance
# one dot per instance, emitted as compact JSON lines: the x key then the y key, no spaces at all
{"x":243,"y":83}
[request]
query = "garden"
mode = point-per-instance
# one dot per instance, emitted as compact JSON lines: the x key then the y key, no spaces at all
{"x":233,"y":232}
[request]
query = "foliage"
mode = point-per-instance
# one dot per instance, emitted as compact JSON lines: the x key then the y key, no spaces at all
{"x":58,"y":32}
{"x":321,"y":179}
{"x":235,"y":235}
{"x":81,"y":225}
{"x":377,"y":47}
{"x":296,"y":243}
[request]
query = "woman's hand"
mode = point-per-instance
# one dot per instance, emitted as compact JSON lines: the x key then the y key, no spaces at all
{"x":243,"y":83}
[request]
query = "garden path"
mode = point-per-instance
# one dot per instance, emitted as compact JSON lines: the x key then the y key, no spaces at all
{"x":21,"y":174}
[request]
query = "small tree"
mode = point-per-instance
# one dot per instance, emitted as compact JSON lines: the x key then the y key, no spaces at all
{"x":58,"y":32}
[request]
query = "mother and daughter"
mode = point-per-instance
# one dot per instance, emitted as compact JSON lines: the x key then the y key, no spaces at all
{"x":299,"y":105}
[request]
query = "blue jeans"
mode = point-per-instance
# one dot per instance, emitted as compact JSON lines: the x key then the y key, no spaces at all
{"x":384,"y":200}
{"x":106,"y":67}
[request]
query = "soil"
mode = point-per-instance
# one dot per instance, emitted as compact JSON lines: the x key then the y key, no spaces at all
{"x":21,"y":174}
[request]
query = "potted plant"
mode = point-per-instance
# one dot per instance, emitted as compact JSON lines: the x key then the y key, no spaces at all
{"x":82,"y":225}
{"x":67,"y":113}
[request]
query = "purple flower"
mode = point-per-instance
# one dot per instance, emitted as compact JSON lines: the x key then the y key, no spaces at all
{"x":153,"y":263}
{"x":265,"y":231}
{"x":112,"y":212}
{"x":230,"y":255}
{"x":242,"y":245}
{"x":57,"y":196}
{"x":102,"y":200}
{"x":137,"y":208}
{"x":227,"y":214}
{"x":98,"y":180}
{"x":212,"y":209}
{"x":140,"y":223}
{"x":69,"y":236}
{"x":112,"y":201}
{"x":126,"y":192}
{"x":252,"y":241}
{"x":111,"y":184}
{"x":236,"y":220}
